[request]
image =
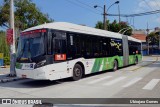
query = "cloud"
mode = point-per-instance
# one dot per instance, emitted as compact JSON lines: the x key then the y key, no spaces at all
{"x":149,"y":5}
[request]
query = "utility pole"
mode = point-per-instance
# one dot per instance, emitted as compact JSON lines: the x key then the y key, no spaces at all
{"x":148,"y":38}
{"x":12,"y":46}
{"x":104,"y":18}
{"x":159,"y":41}
{"x":119,"y":13}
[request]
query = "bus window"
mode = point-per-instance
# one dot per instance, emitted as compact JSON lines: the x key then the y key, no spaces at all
{"x":88,"y":47}
{"x":59,"y":43}
{"x":49,"y":42}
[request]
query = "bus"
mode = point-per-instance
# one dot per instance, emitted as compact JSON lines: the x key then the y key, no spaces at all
{"x":60,"y":50}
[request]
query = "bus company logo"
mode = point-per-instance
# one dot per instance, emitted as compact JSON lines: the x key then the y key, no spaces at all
{"x":6,"y":101}
{"x":116,"y":45}
{"x":31,"y":65}
{"x":87,"y":63}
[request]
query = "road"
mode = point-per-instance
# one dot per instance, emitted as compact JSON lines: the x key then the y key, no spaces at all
{"x":137,"y":81}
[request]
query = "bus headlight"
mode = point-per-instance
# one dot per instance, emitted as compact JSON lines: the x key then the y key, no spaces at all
{"x":40,"y":64}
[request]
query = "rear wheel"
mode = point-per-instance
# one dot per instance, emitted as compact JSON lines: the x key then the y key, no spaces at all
{"x":77,"y":72}
{"x":136,"y":61}
{"x":115,"y":65}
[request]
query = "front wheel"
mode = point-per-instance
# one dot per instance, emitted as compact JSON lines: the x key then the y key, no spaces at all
{"x":115,"y":65}
{"x":77,"y":72}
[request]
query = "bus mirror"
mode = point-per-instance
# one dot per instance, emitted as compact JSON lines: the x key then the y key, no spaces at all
{"x":49,"y":59}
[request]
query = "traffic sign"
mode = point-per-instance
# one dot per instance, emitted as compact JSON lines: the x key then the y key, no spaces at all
{"x":9,"y":36}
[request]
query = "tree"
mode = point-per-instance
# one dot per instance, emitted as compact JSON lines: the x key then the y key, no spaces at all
{"x":3,"y":44}
{"x":153,"y":39}
{"x":99,"y":25}
{"x":4,"y":48}
{"x":26,"y":14}
{"x":115,"y":27}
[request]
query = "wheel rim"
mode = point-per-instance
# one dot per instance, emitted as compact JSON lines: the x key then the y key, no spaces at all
{"x":77,"y":72}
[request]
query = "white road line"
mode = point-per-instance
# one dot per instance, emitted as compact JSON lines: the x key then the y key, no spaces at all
{"x":114,"y":81}
{"x":151,"y":84}
{"x":133,"y":81}
{"x":98,"y":80}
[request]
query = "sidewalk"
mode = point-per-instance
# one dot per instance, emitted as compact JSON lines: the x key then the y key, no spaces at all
{"x":4,"y":72}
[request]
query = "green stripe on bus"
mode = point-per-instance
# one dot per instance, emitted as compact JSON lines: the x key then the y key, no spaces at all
{"x":97,"y":64}
{"x":107,"y":63}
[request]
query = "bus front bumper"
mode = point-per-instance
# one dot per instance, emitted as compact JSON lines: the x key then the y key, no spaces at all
{"x":38,"y":74}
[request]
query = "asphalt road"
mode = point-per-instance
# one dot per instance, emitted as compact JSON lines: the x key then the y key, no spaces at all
{"x":137,"y":81}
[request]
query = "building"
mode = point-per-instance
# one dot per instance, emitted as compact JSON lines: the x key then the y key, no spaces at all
{"x":141,"y":35}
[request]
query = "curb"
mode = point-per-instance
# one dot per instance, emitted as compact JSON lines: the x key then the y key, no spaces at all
{"x":4,"y":67}
{"x":9,"y":80}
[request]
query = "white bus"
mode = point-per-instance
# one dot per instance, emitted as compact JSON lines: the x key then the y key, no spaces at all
{"x":60,"y":50}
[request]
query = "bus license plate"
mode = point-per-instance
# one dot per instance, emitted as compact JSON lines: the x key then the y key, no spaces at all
{"x":24,"y":76}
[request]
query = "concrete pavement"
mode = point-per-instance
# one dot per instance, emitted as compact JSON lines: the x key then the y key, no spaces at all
{"x":4,"y":76}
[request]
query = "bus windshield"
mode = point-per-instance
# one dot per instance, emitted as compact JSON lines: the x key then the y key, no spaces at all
{"x":30,"y":45}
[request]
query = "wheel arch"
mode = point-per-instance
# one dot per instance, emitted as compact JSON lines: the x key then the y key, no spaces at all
{"x":117,"y":61}
{"x":82,"y":65}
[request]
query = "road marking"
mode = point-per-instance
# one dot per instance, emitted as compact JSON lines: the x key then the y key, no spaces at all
{"x":151,"y":84}
{"x":98,"y":80}
{"x":145,"y":65}
{"x":133,"y":81}
{"x":114,"y":81}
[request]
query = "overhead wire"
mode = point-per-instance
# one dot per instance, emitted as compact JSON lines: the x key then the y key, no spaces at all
{"x":150,"y":7}
{"x":74,"y":3}
{"x":137,"y":14}
{"x":92,"y":7}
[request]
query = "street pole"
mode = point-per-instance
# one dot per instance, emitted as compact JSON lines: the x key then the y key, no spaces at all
{"x":12,"y":46}
{"x":148,"y":38}
{"x":119,"y":13}
{"x":159,"y":41}
{"x":104,"y":18}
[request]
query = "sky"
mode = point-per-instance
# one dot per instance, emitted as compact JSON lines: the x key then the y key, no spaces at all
{"x":82,"y":11}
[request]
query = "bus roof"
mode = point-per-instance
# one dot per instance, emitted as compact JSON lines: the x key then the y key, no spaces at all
{"x":64,"y":26}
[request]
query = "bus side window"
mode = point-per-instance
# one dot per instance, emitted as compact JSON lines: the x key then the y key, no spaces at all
{"x":88,"y":47}
{"x":49,"y":43}
{"x":71,"y":49}
{"x":59,"y":43}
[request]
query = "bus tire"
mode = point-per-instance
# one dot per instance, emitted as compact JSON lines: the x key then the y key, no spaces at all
{"x":77,"y":72}
{"x":136,"y":61}
{"x":115,"y":65}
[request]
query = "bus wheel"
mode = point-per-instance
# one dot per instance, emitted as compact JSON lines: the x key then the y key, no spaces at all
{"x":77,"y":72}
{"x":136,"y":61}
{"x":115,"y":65}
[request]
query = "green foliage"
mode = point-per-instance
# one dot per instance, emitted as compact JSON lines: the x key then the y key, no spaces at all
{"x":6,"y":60}
{"x":153,"y":38}
{"x":4,"y":48}
{"x":26,"y":14}
{"x":99,"y":25}
{"x":115,"y":26}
